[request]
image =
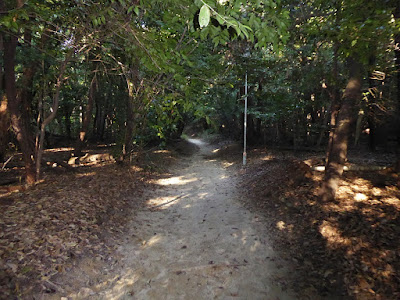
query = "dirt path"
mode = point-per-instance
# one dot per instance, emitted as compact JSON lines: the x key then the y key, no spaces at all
{"x":195,"y":241}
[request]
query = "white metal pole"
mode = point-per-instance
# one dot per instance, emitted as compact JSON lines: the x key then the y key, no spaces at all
{"x":245,"y":122}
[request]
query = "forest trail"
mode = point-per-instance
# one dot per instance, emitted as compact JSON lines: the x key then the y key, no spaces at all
{"x":195,"y":240}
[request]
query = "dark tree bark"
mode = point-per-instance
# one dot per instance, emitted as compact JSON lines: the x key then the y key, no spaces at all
{"x":337,"y":153}
{"x":133,"y":107}
{"x":370,"y":109}
{"x":130,"y":125}
{"x":4,"y":116}
{"x":68,"y":124}
{"x":86,"y":119}
{"x":99,"y":120}
{"x":335,"y":104}
{"x":18,"y":110}
{"x":4,"y":126}
{"x":397,"y":55}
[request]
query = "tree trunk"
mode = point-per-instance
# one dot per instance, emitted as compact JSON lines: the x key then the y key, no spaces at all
{"x":86,"y":119}
{"x":4,"y":117}
{"x":18,"y":118}
{"x":335,"y":104}
{"x":68,"y":124}
{"x":371,"y":135}
{"x":100,"y":120}
{"x":4,"y":126}
{"x":129,"y":125}
{"x":337,"y":153}
{"x":52,"y":115}
{"x":132,"y":81}
{"x":370,"y":108}
{"x":323,"y":129}
{"x":397,"y":55}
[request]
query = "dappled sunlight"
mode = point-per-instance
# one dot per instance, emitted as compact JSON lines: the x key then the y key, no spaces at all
{"x":85,"y":174}
{"x":211,"y":160}
{"x":359,"y":197}
{"x":202,"y":195}
{"x":152,"y":241}
{"x":350,"y":243}
{"x":114,"y":288}
{"x":164,"y":202}
{"x":161,"y":151}
{"x":176,"y":180}
{"x":280,"y":225}
{"x":197,"y":142}
{"x":63,"y":149}
{"x":136,"y":168}
{"x":333,"y":235}
{"x":391,"y":201}
{"x":267,"y":157}
{"x":255,"y":246}
{"x":227,"y":164}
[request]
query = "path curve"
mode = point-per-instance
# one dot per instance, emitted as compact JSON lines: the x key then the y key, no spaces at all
{"x":195,"y":240}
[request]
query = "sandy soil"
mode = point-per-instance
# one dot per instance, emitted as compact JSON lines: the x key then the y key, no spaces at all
{"x":194,"y":240}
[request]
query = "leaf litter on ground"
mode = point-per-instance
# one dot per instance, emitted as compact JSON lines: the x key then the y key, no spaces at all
{"x":46,"y":229}
{"x":347,"y":249}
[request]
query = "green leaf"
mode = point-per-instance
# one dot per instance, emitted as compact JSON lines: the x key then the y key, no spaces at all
{"x":216,"y":41}
{"x":136,"y":10}
{"x":204,"y":16}
{"x":220,"y":20}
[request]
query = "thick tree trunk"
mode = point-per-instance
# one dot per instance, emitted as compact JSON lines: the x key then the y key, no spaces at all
{"x":18,"y":118}
{"x":99,"y":120}
{"x":4,"y":126}
{"x":397,"y":55}
{"x":4,"y":116}
{"x":86,"y":119}
{"x":337,"y":153}
{"x":133,"y":109}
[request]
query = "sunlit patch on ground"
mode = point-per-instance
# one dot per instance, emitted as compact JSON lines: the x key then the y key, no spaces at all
{"x":332,"y":235}
{"x":136,"y":168}
{"x":85,"y":174}
{"x":280,"y":225}
{"x":347,"y":248}
{"x":176,"y":180}
{"x":227,"y":164}
{"x":152,"y":241}
{"x":359,"y":197}
{"x":196,"y":141}
{"x":267,"y":157}
{"x":165,"y":201}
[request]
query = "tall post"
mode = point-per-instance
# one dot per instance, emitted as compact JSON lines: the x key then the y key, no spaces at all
{"x":245,"y":122}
